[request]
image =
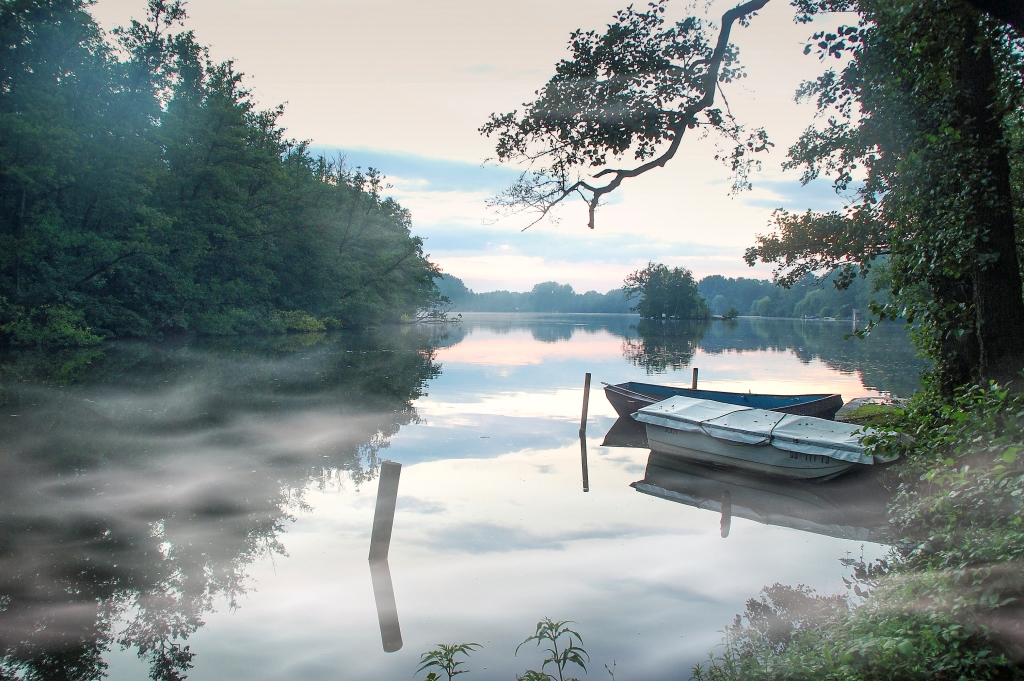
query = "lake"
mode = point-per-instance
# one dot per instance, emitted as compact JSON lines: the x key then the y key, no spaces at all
{"x":204,"y":507}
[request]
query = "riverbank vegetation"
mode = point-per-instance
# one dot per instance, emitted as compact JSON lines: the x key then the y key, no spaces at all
{"x":948,"y":603}
{"x":143,"y":193}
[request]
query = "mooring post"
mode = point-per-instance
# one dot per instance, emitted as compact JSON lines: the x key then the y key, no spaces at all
{"x":586,"y":404}
{"x":693,"y":383}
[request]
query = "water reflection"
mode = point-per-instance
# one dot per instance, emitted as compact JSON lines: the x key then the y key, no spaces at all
{"x":850,"y":507}
{"x":886,"y":361}
{"x":387,"y":608}
{"x":662,"y":345}
{"x":583,"y":462}
{"x":626,"y":432}
{"x":145,"y":487}
{"x":380,"y":545}
{"x":133,"y":501}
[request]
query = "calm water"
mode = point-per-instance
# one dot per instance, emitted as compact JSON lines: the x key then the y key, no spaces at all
{"x":220,"y":496}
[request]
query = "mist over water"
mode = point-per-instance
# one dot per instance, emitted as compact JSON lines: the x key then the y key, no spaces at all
{"x":205,"y":508}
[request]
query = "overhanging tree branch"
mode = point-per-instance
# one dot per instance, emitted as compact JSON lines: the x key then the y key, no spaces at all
{"x":601,"y":104}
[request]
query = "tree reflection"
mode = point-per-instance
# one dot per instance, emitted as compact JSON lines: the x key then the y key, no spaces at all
{"x":135,"y":499}
{"x":661,"y":345}
{"x":886,"y":360}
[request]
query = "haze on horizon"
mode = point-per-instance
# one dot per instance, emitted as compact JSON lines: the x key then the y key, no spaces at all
{"x":403,"y":86}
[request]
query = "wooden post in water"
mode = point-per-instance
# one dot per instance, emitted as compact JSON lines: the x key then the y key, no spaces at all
{"x":586,"y":405}
{"x":693,"y":383}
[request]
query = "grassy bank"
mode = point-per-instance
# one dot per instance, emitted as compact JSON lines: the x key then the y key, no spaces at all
{"x":947,"y":602}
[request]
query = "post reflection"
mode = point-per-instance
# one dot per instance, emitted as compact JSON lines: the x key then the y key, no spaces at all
{"x":583,"y":460}
{"x":380,"y":544}
{"x":387,"y":608}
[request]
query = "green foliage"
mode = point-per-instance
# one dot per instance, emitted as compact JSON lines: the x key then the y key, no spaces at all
{"x":948,"y":602}
{"x":48,"y":326}
{"x":809,"y":295}
{"x":875,"y":415}
{"x":547,"y":296}
{"x":550,"y":633}
{"x":666,"y":293}
{"x":443,"y":657}
{"x":920,"y":124}
{"x":732,"y":313}
{"x":634,"y":89}
{"x":143,"y":193}
{"x":297,"y":320}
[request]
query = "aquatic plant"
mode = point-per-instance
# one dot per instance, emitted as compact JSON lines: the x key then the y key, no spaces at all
{"x":443,"y":657}
{"x":572,"y":652}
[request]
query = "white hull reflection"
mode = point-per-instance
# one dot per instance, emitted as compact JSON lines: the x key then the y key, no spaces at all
{"x":851,"y":508}
{"x":764,"y":458}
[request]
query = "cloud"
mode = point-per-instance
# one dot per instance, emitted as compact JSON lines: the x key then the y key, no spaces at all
{"x":657,"y":218}
{"x":430,"y":174}
{"x":486,"y":537}
{"x":817,"y":195}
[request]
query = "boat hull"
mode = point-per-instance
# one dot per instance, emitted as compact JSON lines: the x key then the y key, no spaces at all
{"x":763,"y":459}
{"x":627,"y":398}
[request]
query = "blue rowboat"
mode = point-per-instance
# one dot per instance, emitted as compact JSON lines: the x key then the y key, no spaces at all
{"x":630,"y":397}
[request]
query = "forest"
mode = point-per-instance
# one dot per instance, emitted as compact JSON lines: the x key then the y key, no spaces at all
{"x":811,"y":296}
{"x":549,"y":296}
{"x":142,"y":193}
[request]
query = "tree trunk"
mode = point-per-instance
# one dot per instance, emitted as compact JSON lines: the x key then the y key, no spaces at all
{"x":996,"y":279}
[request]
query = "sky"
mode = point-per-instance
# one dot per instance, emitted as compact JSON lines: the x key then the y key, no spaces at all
{"x":404,"y":85}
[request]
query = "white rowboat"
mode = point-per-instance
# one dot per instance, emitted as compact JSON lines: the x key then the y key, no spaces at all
{"x":786,"y":445}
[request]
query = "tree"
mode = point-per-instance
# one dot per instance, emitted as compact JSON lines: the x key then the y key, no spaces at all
{"x":142,"y":192}
{"x":635,"y":88}
{"x":665,"y":292}
{"x":920,"y":112}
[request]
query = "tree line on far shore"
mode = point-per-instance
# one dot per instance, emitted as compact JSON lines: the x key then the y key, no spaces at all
{"x":674,"y":292}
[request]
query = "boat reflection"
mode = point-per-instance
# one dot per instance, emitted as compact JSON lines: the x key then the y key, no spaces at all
{"x":626,"y":432}
{"x":852,"y":507}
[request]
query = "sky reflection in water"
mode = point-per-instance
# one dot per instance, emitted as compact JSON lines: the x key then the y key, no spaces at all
{"x":226,"y":492}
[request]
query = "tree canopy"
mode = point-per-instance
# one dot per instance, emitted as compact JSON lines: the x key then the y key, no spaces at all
{"x":664,"y":292}
{"x":636,"y":88}
{"x":919,"y":124}
{"x":142,"y":192}
{"x":922,"y":121}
